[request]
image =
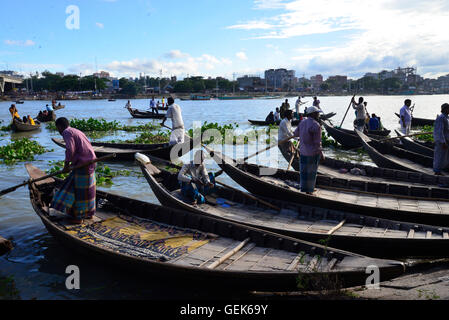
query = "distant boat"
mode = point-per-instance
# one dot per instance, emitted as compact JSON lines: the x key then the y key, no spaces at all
{"x":58,"y":107}
{"x":235,"y":98}
{"x":199,"y":97}
{"x":19,"y":102}
{"x":111,"y":100}
{"x":270,"y":97}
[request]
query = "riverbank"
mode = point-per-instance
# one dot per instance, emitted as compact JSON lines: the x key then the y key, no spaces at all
{"x":272,"y":95}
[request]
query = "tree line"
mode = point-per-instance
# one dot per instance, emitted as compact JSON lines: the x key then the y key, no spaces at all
{"x":56,"y":83}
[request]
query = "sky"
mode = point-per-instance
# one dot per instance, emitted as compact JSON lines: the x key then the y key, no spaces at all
{"x":227,"y":38}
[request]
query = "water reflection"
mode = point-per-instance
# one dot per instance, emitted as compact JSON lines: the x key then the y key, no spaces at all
{"x":38,"y":262}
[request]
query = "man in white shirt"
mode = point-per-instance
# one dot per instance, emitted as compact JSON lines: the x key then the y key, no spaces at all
{"x":128,"y":105}
{"x":297,"y":105}
{"x":285,"y":131}
{"x":360,"y":119}
{"x":153,"y":106}
{"x":406,"y":117}
{"x":277,"y":115}
{"x":174,"y":113}
{"x":195,"y":181}
{"x":441,"y":138}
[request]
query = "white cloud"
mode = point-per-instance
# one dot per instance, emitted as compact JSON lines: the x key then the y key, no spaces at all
{"x":99,"y":25}
{"x":241,"y":55}
{"x":384,"y":33}
{"x":184,"y":64}
{"x":176,"y":54}
{"x":20,"y":43}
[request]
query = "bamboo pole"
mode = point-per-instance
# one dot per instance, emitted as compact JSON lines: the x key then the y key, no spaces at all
{"x":229,"y":254}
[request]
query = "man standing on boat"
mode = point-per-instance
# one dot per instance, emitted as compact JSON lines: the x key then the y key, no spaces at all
{"x":309,"y":133}
{"x":285,"y":131}
{"x":359,"y":122}
{"x":77,"y":194}
{"x":174,"y":113}
{"x":297,"y":105}
{"x":316,"y":103}
{"x":406,"y":117}
{"x":196,"y":182}
{"x":441,"y":138}
{"x":153,"y":106}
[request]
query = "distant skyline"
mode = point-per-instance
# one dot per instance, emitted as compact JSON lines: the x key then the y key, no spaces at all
{"x":223,"y":38}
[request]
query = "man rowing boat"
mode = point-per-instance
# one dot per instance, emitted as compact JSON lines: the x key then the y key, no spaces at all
{"x":174,"y":113}
{"x":77,"y":194}
{"x":406,"y":117}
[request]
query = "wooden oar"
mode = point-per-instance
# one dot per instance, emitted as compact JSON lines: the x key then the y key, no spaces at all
{"x":249,"y":196}
{"x":30,"y":181}
{"x":254,"y":154}
{"x":405,"y":136}
{"x":268,"y":148}
{"x":346,"y":111}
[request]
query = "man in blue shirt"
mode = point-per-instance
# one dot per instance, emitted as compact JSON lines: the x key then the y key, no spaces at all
{"x":374,"y":123}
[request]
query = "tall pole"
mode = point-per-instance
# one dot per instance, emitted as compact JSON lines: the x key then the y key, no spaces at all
{"x":160,"y":73}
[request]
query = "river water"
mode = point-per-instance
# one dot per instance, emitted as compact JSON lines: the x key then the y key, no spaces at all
{"x":37,"y":263}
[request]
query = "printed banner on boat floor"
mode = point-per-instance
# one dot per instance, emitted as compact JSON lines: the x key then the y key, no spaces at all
{"x":141,"y":238}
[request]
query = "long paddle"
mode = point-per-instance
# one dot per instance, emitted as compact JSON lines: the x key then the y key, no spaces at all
{"x":254,"y":154}
{"x":30,"y":181}
{"x":346,"y":111}
{"x":249,"y":196}
{"x":268,"y":148}
{"x":405,"y":136}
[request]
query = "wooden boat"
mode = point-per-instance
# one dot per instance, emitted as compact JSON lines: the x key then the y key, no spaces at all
{"x":347,"y":231}
{"x":19,"y":126}
{"x":162,"y":108}
{"x":59,"y":107}
{"x":145,"y":114}
{"x":410,"y":145}
{"x":111,"y":100}
{"x":283,"y":185}
{"x":377,"y":180}
{"x":331,"y":167}
{"x":235,"y":98}
{"x":419,"y":122}
{"x":126,"y":151}
{"x":51,"y":117}
{"x":386,"y":155}
{"x":348,"y":138}
{"x":199,"y":97}
{"x":20,"y":102}
{"x":295,"y":122}
{"x":136,"y":235}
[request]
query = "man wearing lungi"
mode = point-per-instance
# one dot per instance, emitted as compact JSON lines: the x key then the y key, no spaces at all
{"x":195,"y":181}
{"x":309,"y":133}
{"x":441,"y":138}
{"x":77,"y":194}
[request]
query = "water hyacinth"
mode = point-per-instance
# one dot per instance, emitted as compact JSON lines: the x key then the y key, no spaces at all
{"x":103,"y":173}
{"x":101,"y":125}
{"x":21,"y":150}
